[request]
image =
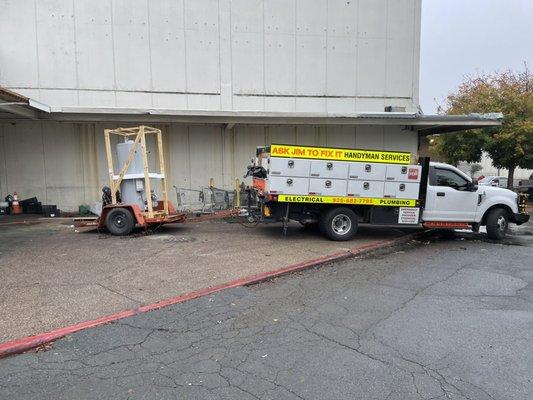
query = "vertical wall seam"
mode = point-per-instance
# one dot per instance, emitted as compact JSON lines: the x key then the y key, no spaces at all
{"x":37,"y":48}
{"x":264,"y":43}
{"x":232,"y":151}
{"x":3,"y":137}
{"x":189,"y":155}
{"x":96,"y":167}
{"x":386,"y":49}
{"x":112,"y":20}
{"x":185,"y":59}
{"x":76,"y":52}
{"x":150,"y":51}
{"x":223,"y":129}
{"x":231,"y":52}
{"x":44,"y":162}
{"x":295,"y":52}
{"x":326,"y":91}
{"x":416,"y":53}
{"x":80,"y":132}
{"x":356,"y":55}
{"x":219,"y":60}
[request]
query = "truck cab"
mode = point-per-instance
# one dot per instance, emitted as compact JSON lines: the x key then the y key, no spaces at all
{"x":453,"y":196}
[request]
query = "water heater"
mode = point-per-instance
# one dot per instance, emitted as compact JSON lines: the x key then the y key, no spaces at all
{"x":132,"y":188}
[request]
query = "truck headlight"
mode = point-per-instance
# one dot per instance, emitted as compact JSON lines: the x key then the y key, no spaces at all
{"x":521,"y":201}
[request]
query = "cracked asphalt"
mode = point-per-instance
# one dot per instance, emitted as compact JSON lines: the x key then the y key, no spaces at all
{"x":51,"y":276}
{"x":451,"y":319}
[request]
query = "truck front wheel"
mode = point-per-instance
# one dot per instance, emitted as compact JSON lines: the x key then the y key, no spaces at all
{"x":497,"y":224}
{"x":338,"y":223}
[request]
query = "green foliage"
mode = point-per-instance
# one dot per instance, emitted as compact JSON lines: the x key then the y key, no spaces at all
{"x":467,"y":146}
{"x":509,"y":146}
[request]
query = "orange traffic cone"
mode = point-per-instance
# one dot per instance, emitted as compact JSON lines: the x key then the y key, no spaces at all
{"x":15,"y":206}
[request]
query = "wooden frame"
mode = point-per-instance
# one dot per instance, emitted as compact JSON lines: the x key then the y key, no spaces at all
{"x":139,"y":141}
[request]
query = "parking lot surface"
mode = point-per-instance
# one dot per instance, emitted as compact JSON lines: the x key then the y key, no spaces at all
{"x":52,"y":276}
{"x":451,"y":319}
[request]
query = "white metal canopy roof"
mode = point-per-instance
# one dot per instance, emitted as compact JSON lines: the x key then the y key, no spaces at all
{"x":15,"y":107}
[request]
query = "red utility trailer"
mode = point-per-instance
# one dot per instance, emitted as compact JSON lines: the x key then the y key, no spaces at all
{"x":119,"y":217}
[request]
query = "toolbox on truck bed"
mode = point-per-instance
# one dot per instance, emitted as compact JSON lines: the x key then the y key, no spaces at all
{"x":306,"y":184}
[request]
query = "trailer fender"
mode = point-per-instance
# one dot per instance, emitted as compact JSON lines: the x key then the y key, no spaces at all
{"x":133,"y":208}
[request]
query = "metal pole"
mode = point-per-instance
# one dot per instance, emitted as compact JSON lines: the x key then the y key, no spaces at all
{"x":237,"y":193}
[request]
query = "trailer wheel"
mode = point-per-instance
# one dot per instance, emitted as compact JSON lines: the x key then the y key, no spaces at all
{"x":339,"y":223}
{"x":497,"y":224}
{"x":119,"y":221}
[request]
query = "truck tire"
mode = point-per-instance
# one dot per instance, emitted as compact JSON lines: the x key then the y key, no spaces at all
{"x":497,"y":223}
{"x":338,"y":223}
{"x":119,"y":221}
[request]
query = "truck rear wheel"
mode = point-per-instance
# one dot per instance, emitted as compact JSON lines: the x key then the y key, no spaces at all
{"x":119,"y":221}
{"x":338,"y":223}
{"x":497,"y":224}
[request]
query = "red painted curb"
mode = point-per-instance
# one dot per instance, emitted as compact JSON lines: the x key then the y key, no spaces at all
{"x":30,"y":342}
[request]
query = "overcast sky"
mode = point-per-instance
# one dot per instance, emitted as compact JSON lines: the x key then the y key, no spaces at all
{"x":468,"y":37}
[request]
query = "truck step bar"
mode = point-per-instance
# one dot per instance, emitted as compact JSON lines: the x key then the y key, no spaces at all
{"x":446,"y":225}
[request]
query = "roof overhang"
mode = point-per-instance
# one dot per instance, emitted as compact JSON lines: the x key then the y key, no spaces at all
{"x":424,"y":124}
{"x":16,"y":107}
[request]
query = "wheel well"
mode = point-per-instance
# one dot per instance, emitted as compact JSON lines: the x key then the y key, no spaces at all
{"x":134,"y":210}
{"x":502,"y":206}
{"x":360,"y":211}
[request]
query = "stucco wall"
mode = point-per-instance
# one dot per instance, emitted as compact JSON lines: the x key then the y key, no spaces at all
{"x":64,"y":163}
{"x":270,"y":55}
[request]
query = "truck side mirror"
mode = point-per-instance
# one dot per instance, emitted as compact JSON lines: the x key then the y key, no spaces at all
{"x":472,"y":186}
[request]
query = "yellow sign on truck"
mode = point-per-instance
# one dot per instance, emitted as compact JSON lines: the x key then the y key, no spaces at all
{"x":336,"y":154}
{"x":290,"y":198}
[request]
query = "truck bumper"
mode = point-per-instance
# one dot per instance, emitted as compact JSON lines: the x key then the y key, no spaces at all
{"x":520,"y":219}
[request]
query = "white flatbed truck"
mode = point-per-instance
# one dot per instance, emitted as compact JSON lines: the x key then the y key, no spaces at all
{"x":337,"y":189}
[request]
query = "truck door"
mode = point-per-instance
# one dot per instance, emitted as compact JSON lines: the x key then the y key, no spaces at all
{"x":449,"y":197}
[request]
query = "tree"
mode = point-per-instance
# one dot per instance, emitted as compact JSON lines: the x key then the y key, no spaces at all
{"x":474,"y":169}
{"x":511,"y":145}
{"x":465,"y":146}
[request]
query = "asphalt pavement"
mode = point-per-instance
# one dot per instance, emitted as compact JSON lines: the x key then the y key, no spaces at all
{"x":52,"y":276}
{"x":450,"y":319}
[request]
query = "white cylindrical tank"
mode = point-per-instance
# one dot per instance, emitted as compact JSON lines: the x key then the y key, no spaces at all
{"x":132,"y":191}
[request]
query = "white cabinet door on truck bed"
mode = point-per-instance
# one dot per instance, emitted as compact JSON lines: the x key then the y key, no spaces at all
{"x":403,"y":173}
{"x":289,"y":167}
{"x":372,"y":189}
{"x":447,"y":197}
{"x":288,"y":185}
{"x":327,"y":187}
{"x":401,"y":190}
{"x":329,"y":169}
{"x":367,"y":171}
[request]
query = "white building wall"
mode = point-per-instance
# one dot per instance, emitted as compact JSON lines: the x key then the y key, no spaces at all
{"x":64,"y":163}
{"x":333,"y":56}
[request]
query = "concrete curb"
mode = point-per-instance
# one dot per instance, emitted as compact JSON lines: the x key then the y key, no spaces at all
{"x":21,"y":345}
